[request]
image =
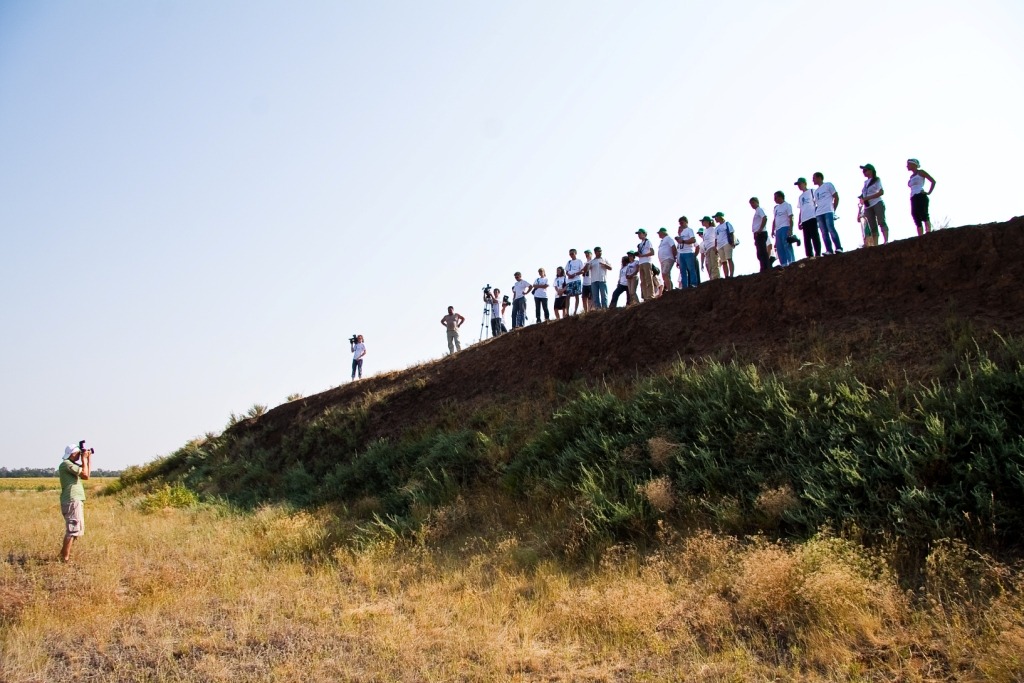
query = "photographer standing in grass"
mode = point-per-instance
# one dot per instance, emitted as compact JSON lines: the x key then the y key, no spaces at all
{"x":75,"y":467}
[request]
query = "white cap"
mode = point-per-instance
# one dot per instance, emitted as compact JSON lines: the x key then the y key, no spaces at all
{"x":69,"y":451}
{"x":915,"y":162}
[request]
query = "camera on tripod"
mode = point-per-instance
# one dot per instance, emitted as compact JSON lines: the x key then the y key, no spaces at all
{"x":487,"y":293}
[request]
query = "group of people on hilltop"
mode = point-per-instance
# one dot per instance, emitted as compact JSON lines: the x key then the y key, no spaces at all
{"x":646,"y":272}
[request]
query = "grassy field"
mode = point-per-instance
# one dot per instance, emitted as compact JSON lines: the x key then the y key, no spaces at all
{"x":49,"y":483}
{"x":203,"y":593}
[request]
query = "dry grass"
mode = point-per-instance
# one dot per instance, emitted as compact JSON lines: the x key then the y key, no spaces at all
{"x":207,"y":595}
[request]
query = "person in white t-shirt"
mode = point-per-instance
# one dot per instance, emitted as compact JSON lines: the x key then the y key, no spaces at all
{"x":760,"y":229}
{"x":358,"y":351}
{"x":919,"y":197}
{"x":561,"y":300}
{"x":725,"y":240}
{"x":540,"y":296}
{"x":874,"y":207}
{"x":574,"y":280}
{"x":782,"y":230}
{"x":709,"y":248}
{"x":519,"y":291}
{"x":826,"y":201}
{"x":587,"y":293}
{"x":667,"y":253}
{"x":623,"y":286}
{"x":645,"y":273}
{"x":808,"y":221}
{"x":598,"y":269}
{"x":497,"y":309}
{"x":632,"y":278}
{"x":686,"y":253}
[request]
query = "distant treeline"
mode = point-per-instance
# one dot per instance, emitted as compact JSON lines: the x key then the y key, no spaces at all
{"x":26,"y":472}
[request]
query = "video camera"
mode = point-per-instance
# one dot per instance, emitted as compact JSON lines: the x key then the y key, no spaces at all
{"x":353,"y":339}
{"x":487,"y":293}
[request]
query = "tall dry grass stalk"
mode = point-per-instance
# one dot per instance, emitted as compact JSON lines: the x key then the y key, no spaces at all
{"x":205,"y":594}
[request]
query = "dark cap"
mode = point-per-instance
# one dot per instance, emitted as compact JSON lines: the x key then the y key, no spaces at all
{"x":800,"y":180}
{"x":868,"y":167}
{"x":641,"y":231}
{"x":630,"y":253}
{"x":706,"y":219}
{"x":662,"y":230}
{"x":719,"y":215}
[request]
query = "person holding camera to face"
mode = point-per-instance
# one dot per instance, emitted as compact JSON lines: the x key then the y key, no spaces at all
{"x":358,"y":351}
{"x":76,"y":467}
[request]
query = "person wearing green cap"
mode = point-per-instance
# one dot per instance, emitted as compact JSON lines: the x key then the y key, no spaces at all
{"x":725,"y":239}
{"x":709,"y":248}
{"x":808,"y":222}
{"x":645,"y":252}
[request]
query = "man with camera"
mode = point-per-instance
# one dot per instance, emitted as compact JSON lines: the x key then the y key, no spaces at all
{"x":492,"y":297}
{"x":358,"y":351}
{"x":76,"y":466}
{"x":453,"y":321}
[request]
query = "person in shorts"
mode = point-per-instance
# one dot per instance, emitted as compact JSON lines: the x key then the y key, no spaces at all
{"x":561,"y":299}
{"x":574,"y":280}
{"x":75,"y":468}
{"x":874,"y":207}
{"x":725,"y":240}
{"x":918,"y":196}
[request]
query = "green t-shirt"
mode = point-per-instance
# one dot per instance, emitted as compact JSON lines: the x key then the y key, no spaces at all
{"x":70,"y":485}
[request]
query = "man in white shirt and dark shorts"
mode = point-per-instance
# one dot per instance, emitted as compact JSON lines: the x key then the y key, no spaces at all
{"x":574,"y":280}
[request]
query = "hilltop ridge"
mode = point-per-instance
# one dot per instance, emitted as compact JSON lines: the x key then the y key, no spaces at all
{"x":896,"y":302}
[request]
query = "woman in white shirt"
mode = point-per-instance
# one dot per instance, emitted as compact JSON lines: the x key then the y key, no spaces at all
{"x":561,"y":300}
{"x":918,"y":196}
{"x":623,"y":287}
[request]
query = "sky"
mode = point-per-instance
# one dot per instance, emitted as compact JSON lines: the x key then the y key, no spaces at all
{"x":200,"y":202}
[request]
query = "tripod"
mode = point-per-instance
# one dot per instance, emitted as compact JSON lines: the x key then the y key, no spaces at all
{"x":485,"y":329}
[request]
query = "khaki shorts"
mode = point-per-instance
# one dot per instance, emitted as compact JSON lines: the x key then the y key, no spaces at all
{"x":725,"y":252}
{"x":74,"y":518}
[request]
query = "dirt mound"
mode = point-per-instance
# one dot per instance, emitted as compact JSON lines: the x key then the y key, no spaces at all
{"x":905,"y":299}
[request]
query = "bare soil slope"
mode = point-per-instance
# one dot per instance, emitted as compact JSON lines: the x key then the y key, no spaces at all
{"x":900,"y":303}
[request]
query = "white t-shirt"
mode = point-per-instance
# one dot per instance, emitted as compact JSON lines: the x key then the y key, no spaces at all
{"x":871,"y":186}
{"x":632,"y":267}
{"x":573,"y":269}
{"x":519,"y":289}
{"x":722,"y":231}
{"x":541,"y":293}
{"x":624,"y":275}
{"x":806,"y":204}
{"x":758,"y":215}
{"x":358,"y":351}
{"x":916,"y":184}
{"x":823,"y":199}
{"x":665,"y":248}
{"x":686,"y":234}
{"x":597,"y":271}
{"x":783,"y":213}
{"x":560,"y":285}
{"x":642,"y":248}
{"x":710,"y":239}
{"x":495,"y":308}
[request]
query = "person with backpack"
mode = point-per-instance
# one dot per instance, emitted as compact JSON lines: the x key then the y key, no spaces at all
{"x":725,"y":240}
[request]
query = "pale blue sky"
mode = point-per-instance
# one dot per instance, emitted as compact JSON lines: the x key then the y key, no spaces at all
{"x":201,"y":201}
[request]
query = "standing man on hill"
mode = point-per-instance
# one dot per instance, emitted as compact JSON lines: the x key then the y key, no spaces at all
{"x":667,"y":253}
{"x":782,"y":227}
{"x":760,"y":230}
{"x":808,"y":223}
{"x":645,"y":252}
{"x":826,"y":201}
{"x":598,"y":269}
{"x":358,"y":351}
{"x":519,"y":291}
{"x":709,"y":248}
{"x":574,"y":280}
{"x":453,"y":321}
{"x":686,"y":252}
{"x":725,"y":240}
{"x":76,"y":466}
